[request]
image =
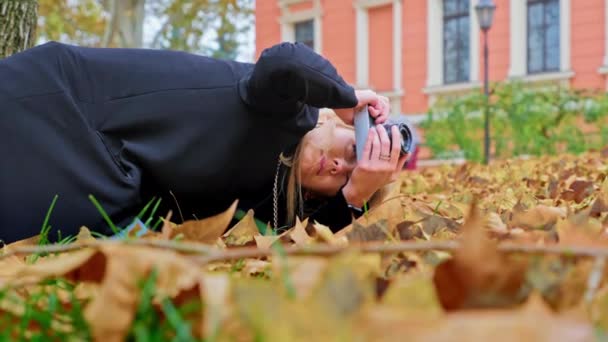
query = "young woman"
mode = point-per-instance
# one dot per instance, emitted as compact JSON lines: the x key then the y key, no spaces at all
{"x":128,"y":124}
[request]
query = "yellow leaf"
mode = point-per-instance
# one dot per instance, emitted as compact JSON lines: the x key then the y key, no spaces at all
{"x":265,"y":242}
{"x":207,"y":230}
{"x":325,"y":234}
{"x":243,"y":232}
{"x":298,"y":234}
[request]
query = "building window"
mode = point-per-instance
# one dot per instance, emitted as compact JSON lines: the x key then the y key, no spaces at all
{"x":543,"y":36}
{"x":305,"y":33}
{"x":456,"y":41}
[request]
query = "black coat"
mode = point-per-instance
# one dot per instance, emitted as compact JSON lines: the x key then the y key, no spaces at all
{"x":128,"y":124}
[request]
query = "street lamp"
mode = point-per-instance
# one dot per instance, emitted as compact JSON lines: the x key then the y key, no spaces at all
{"x":485,"y":15}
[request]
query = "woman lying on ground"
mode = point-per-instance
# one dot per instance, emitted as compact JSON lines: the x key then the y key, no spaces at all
{"x":128,"y":124}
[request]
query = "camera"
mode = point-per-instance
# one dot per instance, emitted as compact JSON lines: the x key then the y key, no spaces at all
{"x":363,"y":122}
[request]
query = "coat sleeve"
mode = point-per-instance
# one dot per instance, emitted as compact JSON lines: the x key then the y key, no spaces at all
{"x":288,"y":76}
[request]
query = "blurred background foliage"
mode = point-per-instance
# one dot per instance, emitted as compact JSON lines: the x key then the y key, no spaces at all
{"x":524,"y":120}
{"x":211,"y":27}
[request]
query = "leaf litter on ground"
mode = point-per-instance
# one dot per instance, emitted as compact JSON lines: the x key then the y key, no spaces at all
{"x":453,"y":279}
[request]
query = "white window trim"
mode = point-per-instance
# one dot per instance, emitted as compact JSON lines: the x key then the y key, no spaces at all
{"x":545,"y":77}
{"x":518,"y":68}
{"x":604,"y":68}
{"x":362,"y":60}
{"x":288,"y":20}
{"x":435,"y":47}
{"x":452,"y":88}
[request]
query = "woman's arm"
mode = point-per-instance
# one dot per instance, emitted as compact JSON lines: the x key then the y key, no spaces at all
{"x":288,"y":76}
{"x":335,"y":213}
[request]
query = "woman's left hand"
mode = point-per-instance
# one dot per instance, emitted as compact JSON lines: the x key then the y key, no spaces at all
{"x":379,"y":107}
{"x":382,"y":163}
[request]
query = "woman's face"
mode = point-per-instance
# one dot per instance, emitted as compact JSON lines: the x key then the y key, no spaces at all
{"x":327,"y":159}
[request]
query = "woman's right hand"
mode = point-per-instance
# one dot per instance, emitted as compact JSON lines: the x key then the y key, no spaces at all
{"x":380,"y":165}
{"x":379,"y":107}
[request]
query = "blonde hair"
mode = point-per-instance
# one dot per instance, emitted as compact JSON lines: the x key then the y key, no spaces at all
{"x":294,"y":199}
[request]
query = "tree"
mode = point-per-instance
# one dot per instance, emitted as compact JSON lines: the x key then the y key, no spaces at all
{"x":211,"y":27}
{"x":125,"y":27}
{"x":81,"y":22}
{"x":17,"y":25}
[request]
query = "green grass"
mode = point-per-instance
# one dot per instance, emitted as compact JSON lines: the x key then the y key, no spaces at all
{"x":164,"y":323}
{"x":43,"y":316}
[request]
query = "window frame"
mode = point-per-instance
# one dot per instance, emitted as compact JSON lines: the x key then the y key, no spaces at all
{"x":460,"y":49}
{"x":310,"y":22}
{"x":544,"y":68}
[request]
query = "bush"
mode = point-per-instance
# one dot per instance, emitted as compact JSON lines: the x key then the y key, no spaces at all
{"x":523,"y":120}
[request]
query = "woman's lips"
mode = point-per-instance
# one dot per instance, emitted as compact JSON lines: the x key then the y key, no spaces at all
{"x":321,"y":165}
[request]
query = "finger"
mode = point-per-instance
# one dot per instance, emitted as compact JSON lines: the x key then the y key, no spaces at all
{"x":367,"y":149}
{"x":375,"y":155}
{"x":367,"y":97}
{"x":385,"y":142}
{"x":373,"y":112}
{"x":402,"y":161}
{"x":381,"y":118}
{"x":396,"y":144}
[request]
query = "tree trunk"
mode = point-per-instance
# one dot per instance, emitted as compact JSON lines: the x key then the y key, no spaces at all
{"x":126,"y":23}
{"x":18,"y":19}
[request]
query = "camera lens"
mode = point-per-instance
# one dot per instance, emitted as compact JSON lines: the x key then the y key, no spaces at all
{"x":406,"y":136}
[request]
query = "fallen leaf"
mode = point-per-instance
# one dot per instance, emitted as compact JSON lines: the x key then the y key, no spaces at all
{"x":324,"y":234}
{"x":299,"y":235}
{"x":243,"y":232}
{"x":538,"y":217}
{"x":374,"y":232}
{"x":478,"y":276}
{"x":265,"y":242}
{"x":207,"y":230}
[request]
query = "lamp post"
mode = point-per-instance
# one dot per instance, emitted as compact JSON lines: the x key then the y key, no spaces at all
{"x":485,"y":15}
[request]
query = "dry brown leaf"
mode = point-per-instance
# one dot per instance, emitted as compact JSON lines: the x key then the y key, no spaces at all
{"x":118,"y":268}
{"x":533,"y":322}
{"x":539,"y":217}
{"x":111,"y":312}
{"x":299,"y":235}
{"x":385,"y":206}
{"x":216,"y":288}
{"x":377,"y":231}
{"x":304,"y":272}
{"x":207,"y":230}
{"x":266,"y":241}
{"x":243,"y":232}
{"x":324,"y":234}
{"x":478,"y":275}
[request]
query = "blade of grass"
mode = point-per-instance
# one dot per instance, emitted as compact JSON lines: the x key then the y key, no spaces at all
{"x":103,"y":213}
{"x":181,"y":327}
{"x":145,"y":208}
{"x":46,"y":228}
{"x":157,"y":224}
{"x":44,"y":232}
{"x":151,"y":217}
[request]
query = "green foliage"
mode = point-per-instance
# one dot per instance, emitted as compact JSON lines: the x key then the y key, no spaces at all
{"x":166,"y":323}
{"x":79,"y":22}
{"x":50,"y":313}
{"x":210,"y":27}
{"x":523,"y":120}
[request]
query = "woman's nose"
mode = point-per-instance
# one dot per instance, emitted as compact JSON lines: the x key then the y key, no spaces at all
{"x":339,"y":166}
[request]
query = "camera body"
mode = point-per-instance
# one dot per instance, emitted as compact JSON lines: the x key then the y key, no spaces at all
{"x":363,"y":122}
